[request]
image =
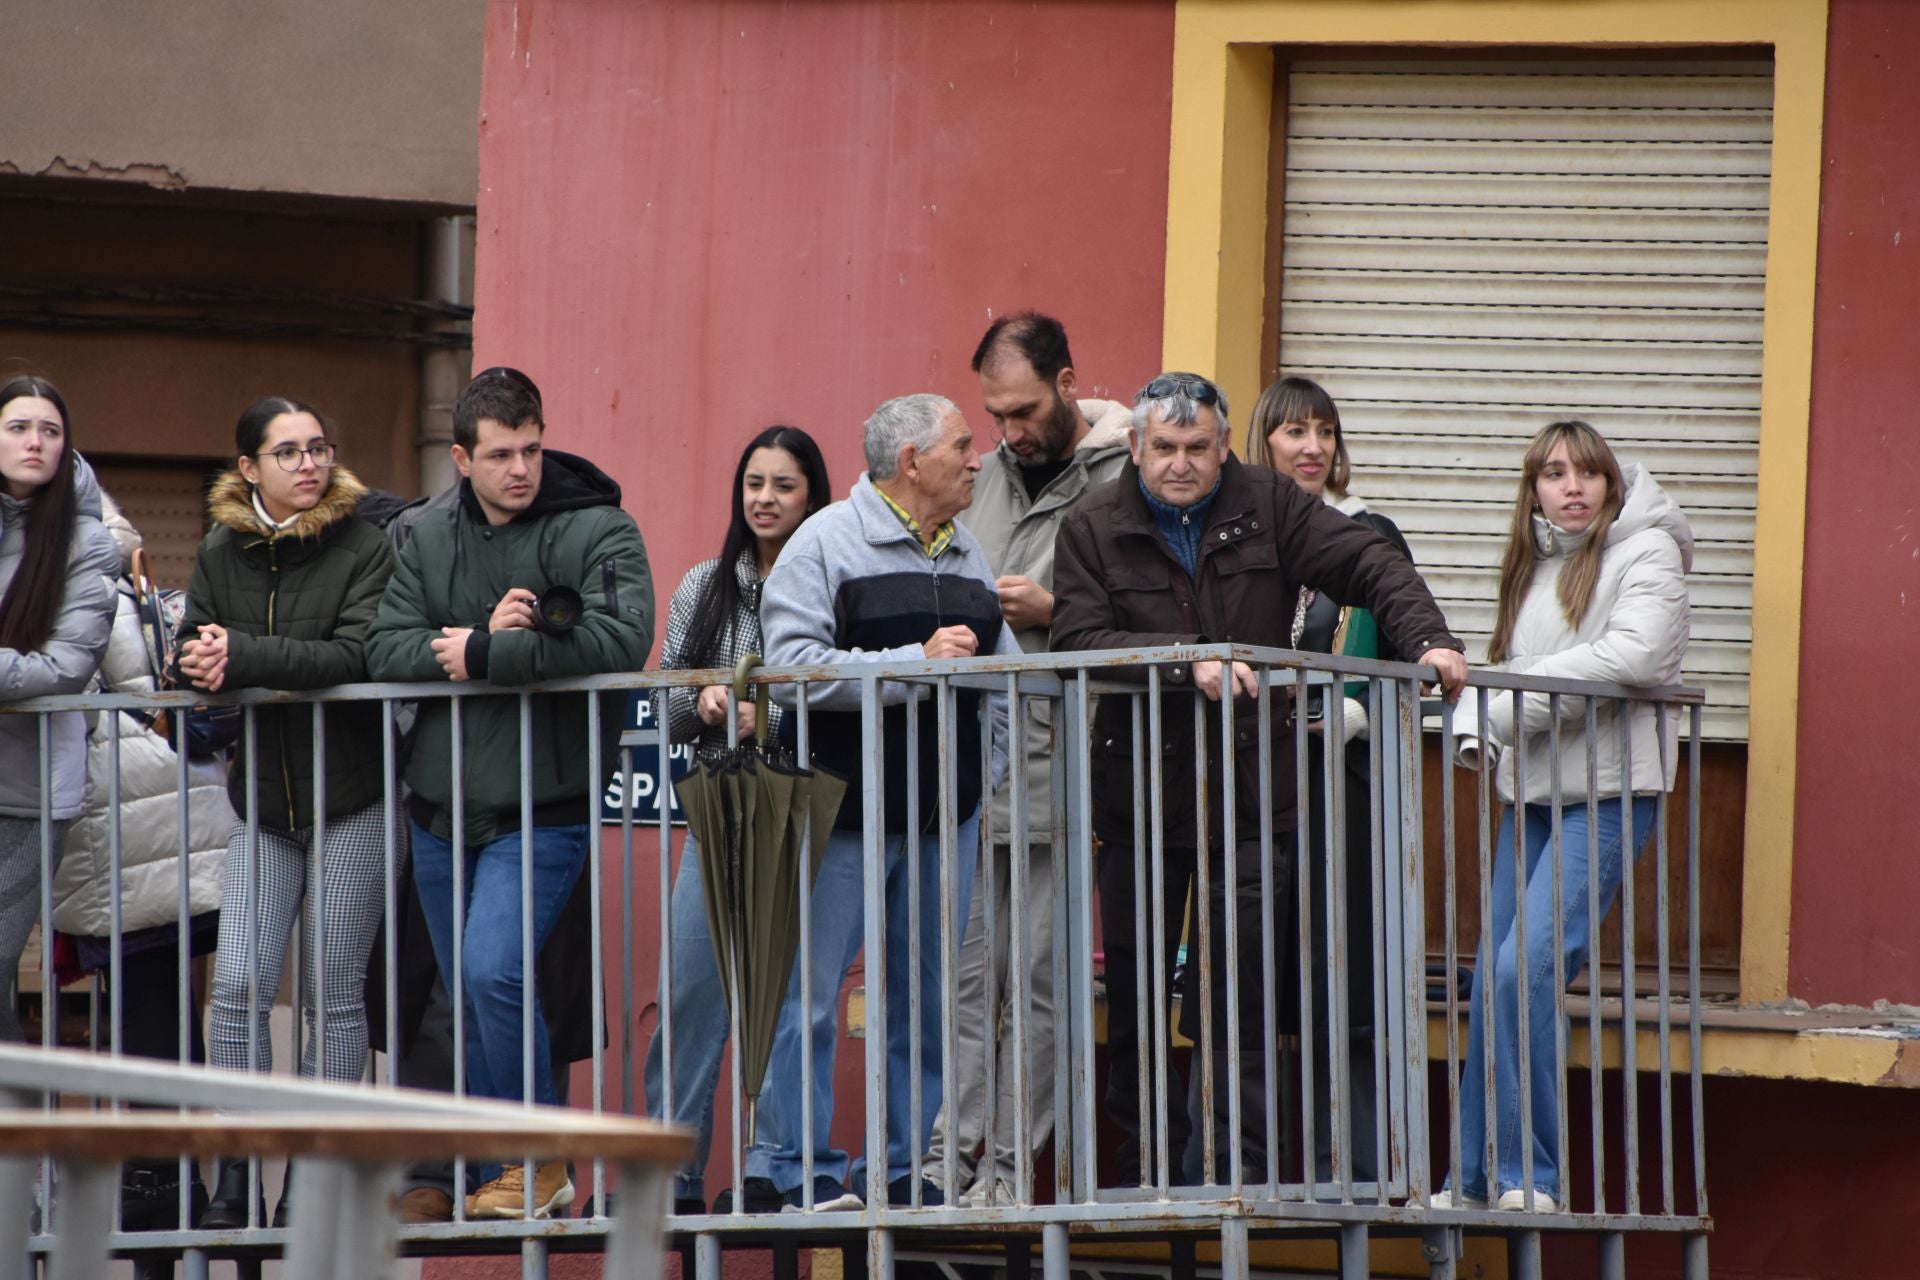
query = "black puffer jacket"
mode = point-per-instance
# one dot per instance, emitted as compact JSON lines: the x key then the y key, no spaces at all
{"x":296,"y":605}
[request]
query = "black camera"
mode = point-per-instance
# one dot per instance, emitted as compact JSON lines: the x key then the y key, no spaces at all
{"x":557,"y":611}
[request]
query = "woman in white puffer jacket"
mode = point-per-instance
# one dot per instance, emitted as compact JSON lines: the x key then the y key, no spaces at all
{"x":149,"y":803}
{"x":149,"y":883}
{"x":1593,"y":587}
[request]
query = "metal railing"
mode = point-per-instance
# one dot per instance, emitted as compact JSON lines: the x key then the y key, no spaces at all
{"x":1270,"y":1005}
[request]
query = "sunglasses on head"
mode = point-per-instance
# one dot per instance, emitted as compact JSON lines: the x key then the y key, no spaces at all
{"x":1196,"y":389}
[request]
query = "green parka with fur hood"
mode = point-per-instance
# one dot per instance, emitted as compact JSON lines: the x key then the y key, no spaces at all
{"x":297,"y":605}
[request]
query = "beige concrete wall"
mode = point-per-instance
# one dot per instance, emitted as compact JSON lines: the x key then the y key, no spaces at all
{"x":376,"y":99}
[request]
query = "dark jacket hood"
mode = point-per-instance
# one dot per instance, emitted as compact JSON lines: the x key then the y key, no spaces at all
{"x":568,"y":482}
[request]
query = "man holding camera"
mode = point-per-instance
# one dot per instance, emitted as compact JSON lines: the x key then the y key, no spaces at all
{"x":533,"y":573}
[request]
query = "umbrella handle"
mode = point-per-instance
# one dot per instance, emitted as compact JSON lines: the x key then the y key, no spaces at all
{"x":747,"y":663}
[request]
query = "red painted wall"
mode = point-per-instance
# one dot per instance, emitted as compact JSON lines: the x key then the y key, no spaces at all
{"x":698,"y":218}
{"x":1856,"y":889}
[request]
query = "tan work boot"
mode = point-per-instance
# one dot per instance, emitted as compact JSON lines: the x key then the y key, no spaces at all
{"x":506,"y":1195}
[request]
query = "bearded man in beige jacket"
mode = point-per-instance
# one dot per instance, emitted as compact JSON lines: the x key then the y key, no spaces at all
{"x":1051,"y":450}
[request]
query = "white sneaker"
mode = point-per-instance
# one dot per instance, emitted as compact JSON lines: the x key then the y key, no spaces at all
{"x":1448,"y":1198}
{"x":984,"y":1194}
{"x":1516,"y":1200}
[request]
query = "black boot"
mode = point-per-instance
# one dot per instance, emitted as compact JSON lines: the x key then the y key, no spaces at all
{"x":150,"y":1196}
{"x":286,"y":1198}
{"x":227,"y":1211}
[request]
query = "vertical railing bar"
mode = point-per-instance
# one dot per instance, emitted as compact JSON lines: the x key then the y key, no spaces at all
{"x":49,"y":991}
{"x":990,"y":927}
{"x":879,"y":1016}
{"x":1152,"y":1033}
{"x":1078,"y":879}
{"x":529,"y":978}
{"x":1629,"y":1028}
{"x":597,"y":970}
{"x":1560,"y":975}
{"x":1271,"y":1101}
{"x":1230,"y":895}
{"x":1488,"y":947}
{"x":910,"y":850}
{"x":183,"y":934}
{"x":457,"y":766}
{"x":116,"y":926}
{"x":1419,"y":1107}
{"x":1201,"y":955}
{"x":803,"y":742}
{"x":1143,"y":904}
{"x":390,"y":811}
{"x":1019,"y":873}
{"x":1449,"y":924}
{"x":1304,"y":906}
{"x":731,"y":970}
{"x":1661,"y":961}
{"x":1339,"y":1010}
{"x":317,"y":899}
{"x":1596,"y":1038}
{"x":250,"y":724}
{"x":1694,"y":1072}
{"x":1523,"y":967}
{"x":952,"y":934}
{"x":1385,"y":1033}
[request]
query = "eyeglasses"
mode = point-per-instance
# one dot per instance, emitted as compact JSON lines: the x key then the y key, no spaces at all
{"x":289,"y":457}
{"x":1196,"y":389}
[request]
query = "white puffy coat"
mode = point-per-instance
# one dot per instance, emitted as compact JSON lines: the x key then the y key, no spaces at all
{"x":149,"y":813}
{"x":1634,"y":633}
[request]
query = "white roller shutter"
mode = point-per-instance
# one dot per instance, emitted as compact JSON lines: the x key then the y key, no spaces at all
{"x":1472,"y":250}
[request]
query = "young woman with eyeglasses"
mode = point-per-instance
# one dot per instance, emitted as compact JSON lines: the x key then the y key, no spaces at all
{"x":57,"y":566}
{"x":284,"y":589}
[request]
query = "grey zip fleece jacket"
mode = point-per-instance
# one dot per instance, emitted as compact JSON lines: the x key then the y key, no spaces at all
{"x":852,"y":585}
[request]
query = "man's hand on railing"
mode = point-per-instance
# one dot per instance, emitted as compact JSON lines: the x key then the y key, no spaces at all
{"x":1206,"y":678}
{"x":952,"y":642}
{"x":450,"y":651}
{"x":1452,"y":666}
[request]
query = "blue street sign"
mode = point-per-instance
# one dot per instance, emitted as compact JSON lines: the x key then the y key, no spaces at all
{"x":644,"y":782}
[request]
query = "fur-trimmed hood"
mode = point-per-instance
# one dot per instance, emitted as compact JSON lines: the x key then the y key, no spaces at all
{"x":230,"y":503}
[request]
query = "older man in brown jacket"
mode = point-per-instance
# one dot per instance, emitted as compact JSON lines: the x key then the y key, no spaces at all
{"x":1188,"y":546}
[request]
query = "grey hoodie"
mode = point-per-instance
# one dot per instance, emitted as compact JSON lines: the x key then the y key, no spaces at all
{"x":65,"y":665}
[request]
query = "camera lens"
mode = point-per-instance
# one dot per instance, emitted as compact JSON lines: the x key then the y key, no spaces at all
{"x":557,"y":611}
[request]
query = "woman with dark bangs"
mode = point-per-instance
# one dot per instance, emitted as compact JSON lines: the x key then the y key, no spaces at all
{"x":1592,"y":587}
{"x":714,"y":621}
{"x":1296,"y":431}
{"x":57,"y":568}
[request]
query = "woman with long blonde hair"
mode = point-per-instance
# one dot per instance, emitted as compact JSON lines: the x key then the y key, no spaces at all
{"x":1592,"y":587}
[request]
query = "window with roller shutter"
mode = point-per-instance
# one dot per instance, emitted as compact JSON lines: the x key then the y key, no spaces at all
{"x":1472,"y":250}
{"x":166,"y":501}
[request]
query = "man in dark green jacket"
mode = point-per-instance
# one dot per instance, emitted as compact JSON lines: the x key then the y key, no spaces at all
{"x":462,"y":606}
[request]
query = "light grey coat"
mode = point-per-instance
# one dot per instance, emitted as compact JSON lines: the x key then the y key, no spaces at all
{"x":1634,"y":633}
{"x":67,"y":662}
{"x":1016,"y":533}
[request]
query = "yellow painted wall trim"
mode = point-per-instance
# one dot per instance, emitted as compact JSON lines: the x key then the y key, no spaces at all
{"x":1216,"y":246}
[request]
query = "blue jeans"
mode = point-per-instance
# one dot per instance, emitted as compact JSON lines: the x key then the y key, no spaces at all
{"x":1542,"y":1081}
{"x":697,"y":1005}
{"x":491,"y":972}
{"x":839,"y":922}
